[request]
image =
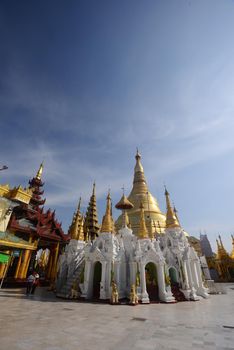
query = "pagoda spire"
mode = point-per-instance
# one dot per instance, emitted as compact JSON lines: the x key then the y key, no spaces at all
{"x":223,"y":252}
{"x":40,"y":170}
{"x":91,"y":226}
{"x":232,"y":253}
{"x":139,"y":181}
{"x":74,"y":228}
{"x":81,"y":229}
{"x":219,"y":251}
{"x":143,"y":232}
{"x":171,"y":220}
{"x":35,"y":184}
{"x":176,"y":213}
{"x":107,"y":221}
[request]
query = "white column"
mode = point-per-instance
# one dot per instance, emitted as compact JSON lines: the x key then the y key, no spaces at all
{"x":190,"y":278}
{"x":103,"y":281}
{"x":88,"y":280}
{"x":193,"y":294}
{"x":186,"y":282}
{"x":164,"y":295}
{"x":194,"y":274}
{"x":132,"y":272}
{"x":144,"y":294}
{"x":201,"y":289}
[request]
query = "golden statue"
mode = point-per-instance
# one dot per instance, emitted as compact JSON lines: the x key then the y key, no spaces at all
{"x":114,"y":294}
{"x":74,"y":291}
{"x":133,"y":295}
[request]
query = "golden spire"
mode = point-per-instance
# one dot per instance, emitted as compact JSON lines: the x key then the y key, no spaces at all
{"x":139,"y":182}
{"x":81,"y":229}
{"x":143,"y":233}
{"x":176,"y":213}
{"x":141,"y":194}
{"x":219,"y":251}
{"x":222,"y":251}
{"x":39,"y":173}
{"x":232,"y":253}
{"x":107,"y":221}
{"x":171,"y":220}
{"x":75,"y":226}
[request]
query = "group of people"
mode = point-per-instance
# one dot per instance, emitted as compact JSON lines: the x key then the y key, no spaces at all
{"x":32,"y":282}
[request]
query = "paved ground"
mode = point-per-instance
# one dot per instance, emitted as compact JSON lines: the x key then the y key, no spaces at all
{"x":43,"y":322}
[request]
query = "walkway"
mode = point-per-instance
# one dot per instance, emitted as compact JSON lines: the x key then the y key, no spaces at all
{"x":44,"y":322}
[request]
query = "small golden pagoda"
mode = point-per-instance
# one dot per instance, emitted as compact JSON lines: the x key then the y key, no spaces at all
{"x":76,"y":229}
{"x":171,"y":218}
{"x":107,"y":221}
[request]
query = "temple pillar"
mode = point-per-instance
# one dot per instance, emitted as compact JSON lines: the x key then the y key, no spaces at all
{"x":50,"y":264}
{"x":201,"y":289}
{"x":103,"y":281}
{"x":164,"y":294}
{"x":132,"y":273}
{"x":2,"y":269}
{"x":194,"y":274}
{"x":18,"y":265}
{"x":23,"y":269}
{"x":193,"y":294}
{"x":87,"y":288}
{"x":55,"y":261}
{"x":144,"y":294}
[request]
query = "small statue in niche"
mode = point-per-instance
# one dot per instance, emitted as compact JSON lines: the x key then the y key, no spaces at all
{"x":133,"y":295}
{"x":114,"y":294}
{"x":74,"y":291}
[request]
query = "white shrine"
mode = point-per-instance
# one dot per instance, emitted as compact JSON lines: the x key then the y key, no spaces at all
{"x":161,"y":265}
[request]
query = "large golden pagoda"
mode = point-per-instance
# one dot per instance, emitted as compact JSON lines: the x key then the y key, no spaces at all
{"x":140,"y":194}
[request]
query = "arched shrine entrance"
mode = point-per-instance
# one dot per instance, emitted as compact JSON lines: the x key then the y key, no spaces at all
{"x":151,"y":281}
{"x":97,"y":276}
{"x":173,"y":275}
{"x":175,"y":287}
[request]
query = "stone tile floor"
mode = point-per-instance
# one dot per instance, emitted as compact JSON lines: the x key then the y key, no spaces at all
{"x":44,"y":322}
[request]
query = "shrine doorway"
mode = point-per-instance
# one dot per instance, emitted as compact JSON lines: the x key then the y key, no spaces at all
{"x":175,"y":286}
{"x":151,"y":281}
{"x":173,"y":275}
{"x":97,"y":276}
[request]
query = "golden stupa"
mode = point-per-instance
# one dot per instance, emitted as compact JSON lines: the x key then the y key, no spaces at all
{"x":140,"y":196}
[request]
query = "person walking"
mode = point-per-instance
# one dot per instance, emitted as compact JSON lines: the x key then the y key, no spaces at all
{"x":35,"y":282}
{"x":30,"y":281}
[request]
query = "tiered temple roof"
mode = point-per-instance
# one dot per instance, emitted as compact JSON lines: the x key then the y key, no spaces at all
{"x":31,"y":218}
{"x":91,"y":226}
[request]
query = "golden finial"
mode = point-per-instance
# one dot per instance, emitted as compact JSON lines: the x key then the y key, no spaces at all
{"x":138,"y":156}
{"x":143,"y":232}
{"x":39,"y":173}
{"x":94,"y":188}
{"x":171,"y":220}
{"x":107,"y":221}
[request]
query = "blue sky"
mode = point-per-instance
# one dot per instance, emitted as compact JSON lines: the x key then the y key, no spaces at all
{"x":83,"y":83}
